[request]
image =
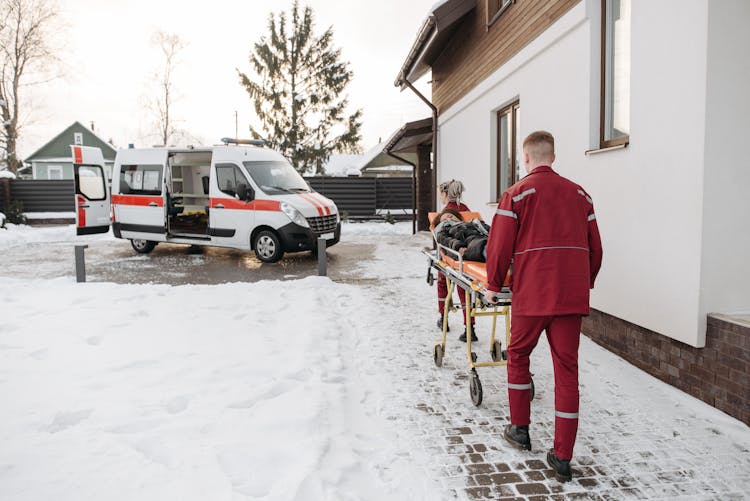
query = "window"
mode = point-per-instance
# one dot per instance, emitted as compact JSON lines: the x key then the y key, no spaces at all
{"x":495,"y":9}
{"x":276,"y":177}
{"x":141,"y":179}
{"x":78,"y":138}
{"x":508,"y":159}
{"x":229,"y":176}
{"x":615,"y":82}
{"x":54,"y":172}
{"x":91,"y":182}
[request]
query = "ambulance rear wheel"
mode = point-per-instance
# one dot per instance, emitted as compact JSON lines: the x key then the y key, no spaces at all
{"x":142,"y":246}
{"x":268,"y":246}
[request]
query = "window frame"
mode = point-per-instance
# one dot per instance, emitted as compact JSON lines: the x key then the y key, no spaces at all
{"x":101,"y":176}
{"x":142,"y":168}
{"x":618,"y":141}
{"x":237,"y":168}
{"x":503,"y":5}
{"x":512,"y":110}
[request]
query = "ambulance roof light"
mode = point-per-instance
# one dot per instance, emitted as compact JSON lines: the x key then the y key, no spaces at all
{"x":252,"y":142}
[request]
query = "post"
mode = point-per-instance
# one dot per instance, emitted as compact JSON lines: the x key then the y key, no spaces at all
{"x":80,"y":263}
{"x":322,"y":257}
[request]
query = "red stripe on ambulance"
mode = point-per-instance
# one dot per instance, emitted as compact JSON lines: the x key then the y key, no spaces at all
{"x":81,"y":211}
{"x":231,"y":203}
{"x":314,"y":202}
{"x":78,"y":154}
{"x":138,"y":200}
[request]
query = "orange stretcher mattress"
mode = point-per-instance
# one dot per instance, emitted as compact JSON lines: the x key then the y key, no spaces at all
{"x":475,"y":269}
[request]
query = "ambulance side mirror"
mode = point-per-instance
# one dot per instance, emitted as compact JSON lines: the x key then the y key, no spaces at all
{"x":246,"y":194}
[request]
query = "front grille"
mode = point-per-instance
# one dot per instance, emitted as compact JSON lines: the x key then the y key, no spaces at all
{"x":322,"y":224}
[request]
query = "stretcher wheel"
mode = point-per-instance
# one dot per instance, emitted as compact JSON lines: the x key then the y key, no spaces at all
{"x":496,"y":352}
{"x":533,"y":390}
{"x":437,"y":355}
{"x":504,"y":355}
{"x":475,"y":389}
{"x":473,"y":357}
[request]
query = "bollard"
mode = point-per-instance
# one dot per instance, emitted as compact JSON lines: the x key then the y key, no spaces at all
{"x":322,"y":258}
{"x":80,"y":263}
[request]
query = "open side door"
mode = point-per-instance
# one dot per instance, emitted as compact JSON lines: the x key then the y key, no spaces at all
{"x":91,"y":193}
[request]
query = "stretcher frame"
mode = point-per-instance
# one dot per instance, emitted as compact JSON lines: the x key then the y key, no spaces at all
{"x":474,"y":289}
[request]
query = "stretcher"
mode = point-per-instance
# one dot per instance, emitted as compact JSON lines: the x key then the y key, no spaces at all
{"x":471,"y":276}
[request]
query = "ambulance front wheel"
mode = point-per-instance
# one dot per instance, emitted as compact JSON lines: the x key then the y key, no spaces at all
{"x":142,"y":246}
{"x":268,"y":246}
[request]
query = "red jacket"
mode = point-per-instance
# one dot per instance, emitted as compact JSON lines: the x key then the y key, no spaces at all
{"x":459,"y":207}
{"x":546,"y":225}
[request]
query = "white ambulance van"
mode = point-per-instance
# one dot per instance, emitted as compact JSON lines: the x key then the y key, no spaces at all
{"x":238,"y":195}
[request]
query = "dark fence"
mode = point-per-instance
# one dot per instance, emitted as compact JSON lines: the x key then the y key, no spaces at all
{"x":354,"y":196}
{"x":365,"y":196}
{"x":42,"y":196}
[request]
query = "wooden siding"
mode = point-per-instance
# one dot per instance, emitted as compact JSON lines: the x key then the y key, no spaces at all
{"x":476,"y":51}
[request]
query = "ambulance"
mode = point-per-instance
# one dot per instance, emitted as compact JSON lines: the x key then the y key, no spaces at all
{"x":238,"y":195}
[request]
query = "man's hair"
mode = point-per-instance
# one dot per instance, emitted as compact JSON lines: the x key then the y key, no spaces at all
{"x":540,"y":145}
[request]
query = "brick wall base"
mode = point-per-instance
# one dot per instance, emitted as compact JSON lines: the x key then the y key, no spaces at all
{"x":718,"y":374}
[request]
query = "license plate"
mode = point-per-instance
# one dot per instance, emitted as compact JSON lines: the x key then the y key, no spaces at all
{"x":327,"y":236}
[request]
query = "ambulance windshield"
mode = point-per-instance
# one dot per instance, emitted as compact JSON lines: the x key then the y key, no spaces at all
{"x":276,"y":176}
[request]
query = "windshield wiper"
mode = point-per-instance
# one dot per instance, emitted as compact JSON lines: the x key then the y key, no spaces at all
{"x":280,"y":188}
{"x":303,"y":190}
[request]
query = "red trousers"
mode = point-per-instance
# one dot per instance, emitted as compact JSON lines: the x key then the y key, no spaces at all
{"x":442,"y":290}
{"x":563,"y":335}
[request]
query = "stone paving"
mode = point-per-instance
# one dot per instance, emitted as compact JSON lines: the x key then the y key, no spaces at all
{"x":638,"y":437}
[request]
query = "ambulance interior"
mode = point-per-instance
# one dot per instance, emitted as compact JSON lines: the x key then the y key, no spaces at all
{"x":187,"y":197}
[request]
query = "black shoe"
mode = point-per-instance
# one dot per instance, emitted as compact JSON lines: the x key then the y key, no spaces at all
{"x":518,"y":436}
{"x":474,"y":337}
{"x":560,"y":466}
{"x":440,"y":325}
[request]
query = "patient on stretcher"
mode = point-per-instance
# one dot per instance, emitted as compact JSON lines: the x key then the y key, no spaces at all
{"x":467,"y":238}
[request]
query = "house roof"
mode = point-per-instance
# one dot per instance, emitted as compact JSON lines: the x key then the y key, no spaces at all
{"x":433,"y":36}
{"x":409,"y":136}
{"x":377,"y":157}
{"x":59,"y":146}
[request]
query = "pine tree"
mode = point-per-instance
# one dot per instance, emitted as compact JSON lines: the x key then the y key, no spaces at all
{"x":299,"y":95}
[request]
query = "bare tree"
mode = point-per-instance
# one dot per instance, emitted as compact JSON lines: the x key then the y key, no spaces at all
{"x":26,"y":28}
{"x":170,"y":46}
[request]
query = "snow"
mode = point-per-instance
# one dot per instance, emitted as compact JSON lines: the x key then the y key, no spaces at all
{"x":340,"y":164}
{"x":7,"y":174}
{"x":49,"y":215}
{"x":198,"y":392}
{"x":276,"y":390}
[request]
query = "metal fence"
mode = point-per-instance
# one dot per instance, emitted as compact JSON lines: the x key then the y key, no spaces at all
{"x":354,"y":196}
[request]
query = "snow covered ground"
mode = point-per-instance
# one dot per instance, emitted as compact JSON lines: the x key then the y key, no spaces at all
{"x":301,"y":390}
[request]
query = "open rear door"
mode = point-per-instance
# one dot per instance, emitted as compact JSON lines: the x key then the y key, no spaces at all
{"x":91,"y":194}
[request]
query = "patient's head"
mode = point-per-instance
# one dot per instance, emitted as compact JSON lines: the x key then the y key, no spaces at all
{"x":447,"y":215}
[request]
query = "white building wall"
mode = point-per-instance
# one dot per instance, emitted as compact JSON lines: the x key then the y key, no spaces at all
{"x":648,"y":196}
{"x":725,"y":286}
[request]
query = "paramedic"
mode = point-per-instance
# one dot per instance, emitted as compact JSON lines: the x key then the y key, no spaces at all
{"x":450,"y":196}
{"x":546,"y":225}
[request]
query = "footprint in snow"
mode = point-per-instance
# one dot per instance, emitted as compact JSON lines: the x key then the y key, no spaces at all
{"x":64,"y":420}
{"x":176,"y":404}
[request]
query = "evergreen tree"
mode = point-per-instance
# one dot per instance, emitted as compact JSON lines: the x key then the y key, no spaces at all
{"x":299,"y":94}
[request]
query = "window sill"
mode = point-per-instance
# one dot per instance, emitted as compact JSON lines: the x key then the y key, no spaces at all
{"x":603,"y":150}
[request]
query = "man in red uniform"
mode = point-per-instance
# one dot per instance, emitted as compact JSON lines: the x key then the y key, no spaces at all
{"x":545,"y":224}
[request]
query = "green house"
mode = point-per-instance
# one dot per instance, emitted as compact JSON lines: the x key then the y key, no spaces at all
{"x":54,"y":160}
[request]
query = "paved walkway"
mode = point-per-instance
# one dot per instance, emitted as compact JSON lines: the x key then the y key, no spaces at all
{"x":638,"y":437}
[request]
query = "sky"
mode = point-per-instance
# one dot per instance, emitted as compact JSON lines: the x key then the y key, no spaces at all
{"x":108,"y":62}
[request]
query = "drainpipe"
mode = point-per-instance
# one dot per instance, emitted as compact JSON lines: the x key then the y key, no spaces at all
{"x":413,"y":190}
{"x":433,"y":197}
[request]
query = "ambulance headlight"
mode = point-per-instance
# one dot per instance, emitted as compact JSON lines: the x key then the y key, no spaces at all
{"x":293,"y":214}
